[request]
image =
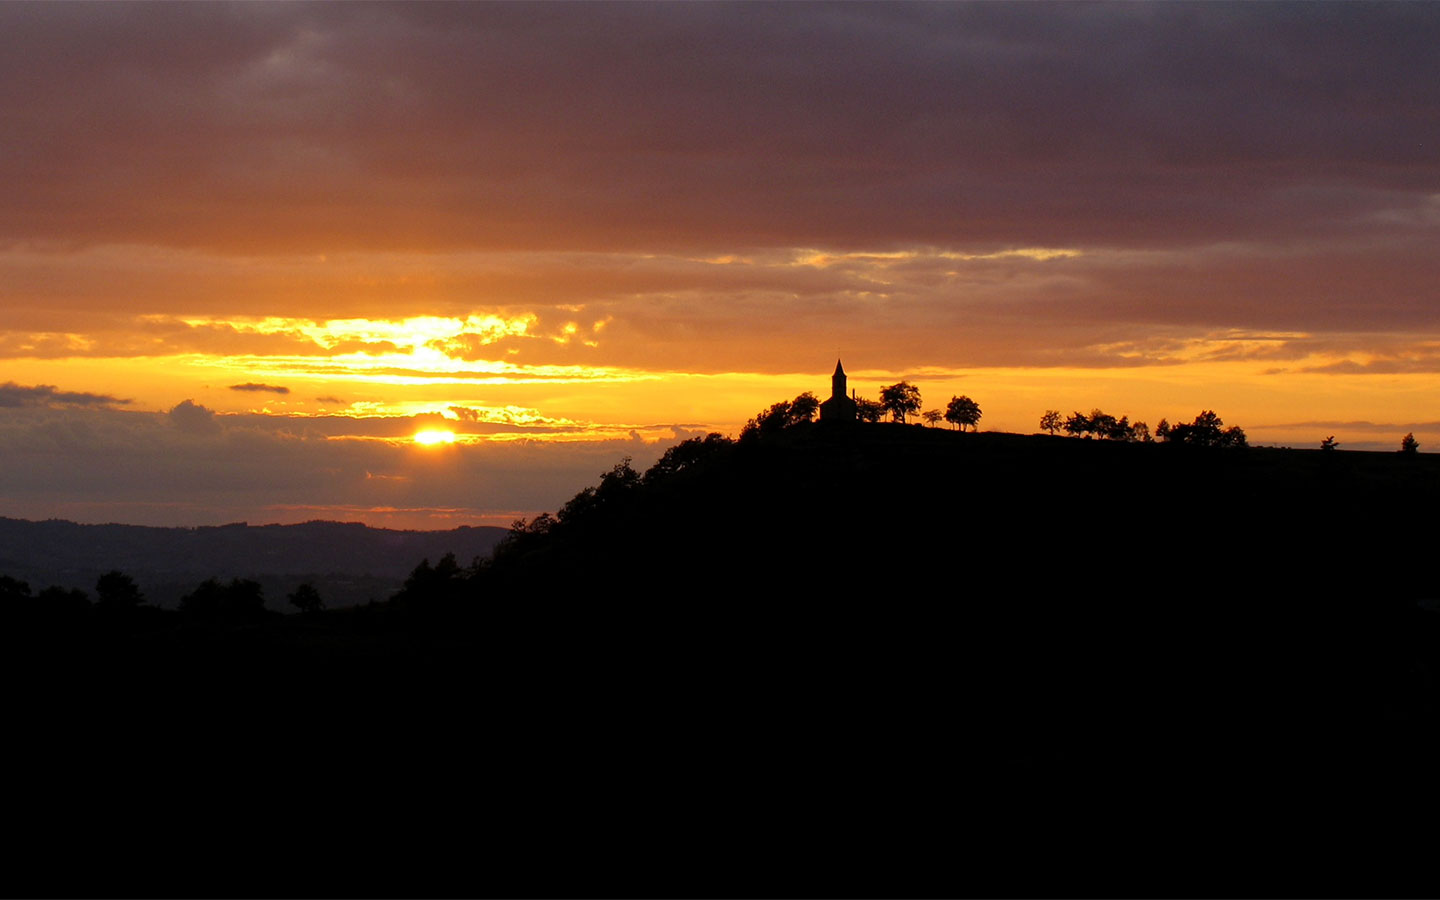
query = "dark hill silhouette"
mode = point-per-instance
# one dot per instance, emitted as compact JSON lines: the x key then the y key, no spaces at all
{"x":876,"y":659}
{"x":1010,"y":621}
{"x":350,"y":562}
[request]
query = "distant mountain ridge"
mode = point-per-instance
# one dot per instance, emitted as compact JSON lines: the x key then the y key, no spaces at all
{"x":353,"y":561}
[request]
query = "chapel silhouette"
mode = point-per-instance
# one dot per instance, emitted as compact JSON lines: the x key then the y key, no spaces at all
{"x":840,"y":407}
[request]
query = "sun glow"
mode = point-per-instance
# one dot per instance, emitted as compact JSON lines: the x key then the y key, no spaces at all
{"x":431,"y":437}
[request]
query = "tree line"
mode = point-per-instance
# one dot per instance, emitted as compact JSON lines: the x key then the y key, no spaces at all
{"x":899,"y":401}
{"x":1207,"y":430}
{"x":119,"y":600}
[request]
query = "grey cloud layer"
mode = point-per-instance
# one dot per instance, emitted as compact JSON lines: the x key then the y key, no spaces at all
{"x":191,"y":466}
{"x":600,"y":126}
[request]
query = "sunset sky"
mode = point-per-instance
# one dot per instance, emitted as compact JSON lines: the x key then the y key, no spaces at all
{"x":248,"y":251}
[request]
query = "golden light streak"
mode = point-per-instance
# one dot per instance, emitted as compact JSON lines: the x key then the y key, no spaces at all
{"x":821,"y":260}
{"x":413,"y":331}
{"x":421,"y":350}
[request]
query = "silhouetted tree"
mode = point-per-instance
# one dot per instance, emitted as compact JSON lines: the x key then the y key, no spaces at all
{"x":782,"y":415}
{"x":804,"y":408}
{"x":1329,"y":443}
{"x":963,"y":411}
{"x":768,"y":420}
{"x":1162,"y":431}
{"x":541,"y":524}
{"x":523,"y":536}
{"x":900,"y":399}
{"x":13,"y":591}
{"x":615,"y":487}
{"x":64,"y":601}
{"x":1140,"y":432}
{"x":686,"y":454}
{"x":932,"y":416}
{"x":1408,"y":444}
{"x":430,"y":588}
{"x":306,"y":599}
{"x":617,"y":491}
{"x":1206,"y":431}
{"x":241,"y":601}
{"x":203,"y":603}
{"x":868,"y":410}
{"x":1078,"y":424}
{"x":18,"y":609}
{"x":1051,"y":421}
{"x":115,"y":590}
{"x":1102,"y":425}
{"x":53,"y":606}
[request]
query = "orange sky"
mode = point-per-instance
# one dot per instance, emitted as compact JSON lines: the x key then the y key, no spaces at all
{"x":247,"y":251}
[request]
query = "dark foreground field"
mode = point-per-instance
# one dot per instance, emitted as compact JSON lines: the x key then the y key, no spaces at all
{"x":887,"y":660}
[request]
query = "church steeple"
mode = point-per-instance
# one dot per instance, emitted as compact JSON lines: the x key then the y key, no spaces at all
{"x":839,"y":408}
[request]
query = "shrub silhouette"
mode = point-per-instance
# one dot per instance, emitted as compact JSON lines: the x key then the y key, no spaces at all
{"x":242,"y":601}
{"x":117,"y":591}
{"x":306,"y":599}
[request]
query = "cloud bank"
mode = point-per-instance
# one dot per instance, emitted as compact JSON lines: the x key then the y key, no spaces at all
{"x":190,"y":466}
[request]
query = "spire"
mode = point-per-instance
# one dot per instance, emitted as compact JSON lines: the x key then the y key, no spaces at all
{"x":840,"y":407}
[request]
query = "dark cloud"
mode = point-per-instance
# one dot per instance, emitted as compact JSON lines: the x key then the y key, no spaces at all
{"x":14,"y":395}
{"x":1362,"y":425}
{"x":1428,"y":365}
{"x":192,"y":418}
{"x":614,"y":126}
{"x":117,"y":465}
{"x":252,"y":386}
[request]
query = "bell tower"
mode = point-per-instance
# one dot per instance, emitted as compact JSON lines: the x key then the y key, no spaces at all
{"x":839,"y":408}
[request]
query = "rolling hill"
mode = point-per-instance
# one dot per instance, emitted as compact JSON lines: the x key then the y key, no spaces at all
{"x":349,"y":562}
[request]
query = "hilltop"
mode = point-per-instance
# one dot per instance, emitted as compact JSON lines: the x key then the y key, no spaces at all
{"x":905,"y":633}
{"x":886,"y":507}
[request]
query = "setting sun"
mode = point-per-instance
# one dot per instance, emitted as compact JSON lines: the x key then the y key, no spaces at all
{"x":433,"y":436}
